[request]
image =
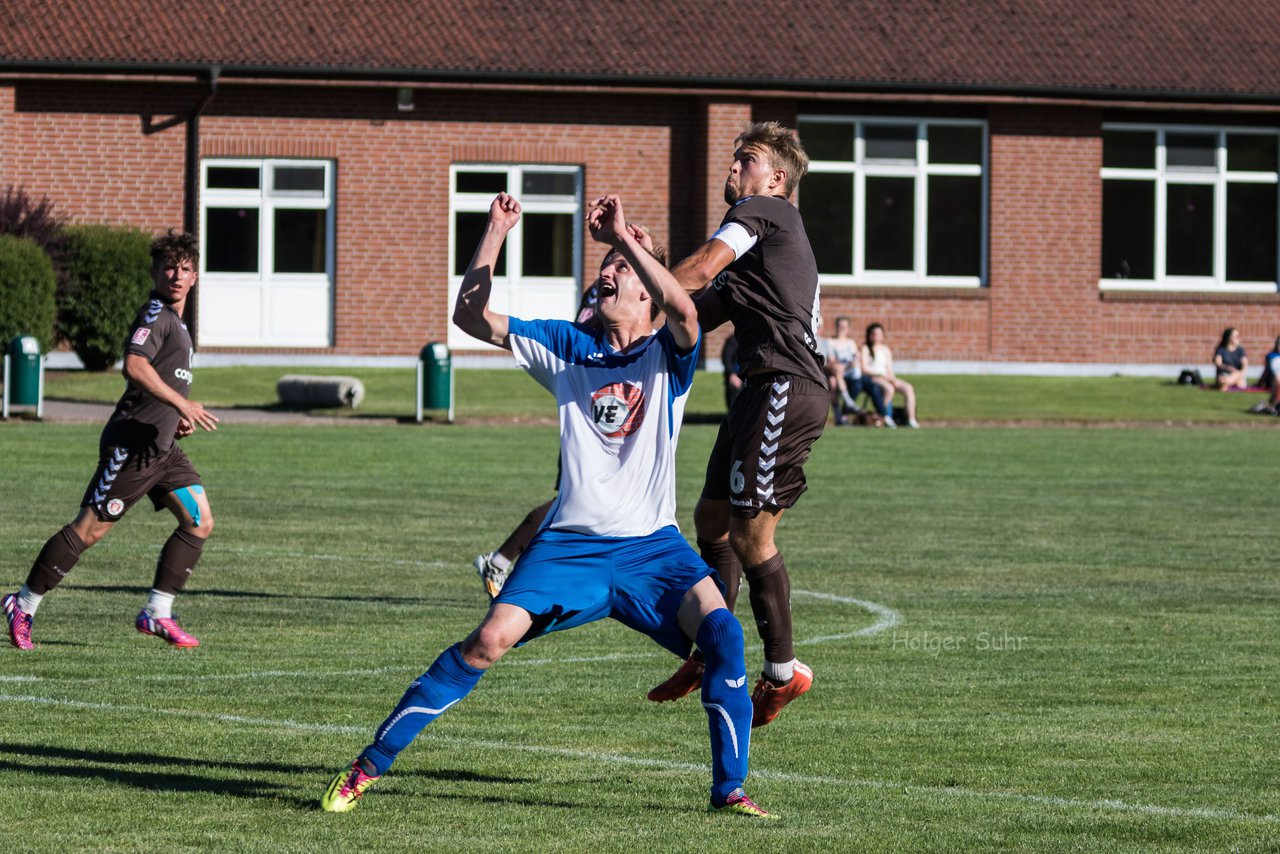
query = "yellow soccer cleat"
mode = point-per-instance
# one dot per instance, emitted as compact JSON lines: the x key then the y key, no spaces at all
{"x":346,"y":788}
{"x":739,"y":804}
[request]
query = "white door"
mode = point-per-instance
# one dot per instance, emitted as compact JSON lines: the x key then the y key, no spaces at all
{"x":266,"y":263}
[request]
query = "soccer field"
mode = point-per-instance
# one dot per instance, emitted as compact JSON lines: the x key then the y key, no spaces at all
{"x":1022,"y":639}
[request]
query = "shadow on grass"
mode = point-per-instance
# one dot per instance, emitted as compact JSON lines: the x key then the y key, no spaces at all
{"x":73,"y":754}
{"x":257,"y":594}
{"x":67,"y":762}
{"x":91,"y":765}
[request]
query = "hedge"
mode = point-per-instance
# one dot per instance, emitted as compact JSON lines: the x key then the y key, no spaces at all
{"x":27,"y":286}
{"x":108,"y":276}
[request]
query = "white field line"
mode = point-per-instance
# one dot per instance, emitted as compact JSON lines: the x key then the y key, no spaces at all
{"x":886,"y":618}
{"x":406,"y":669}
{"x":1105,"y":805}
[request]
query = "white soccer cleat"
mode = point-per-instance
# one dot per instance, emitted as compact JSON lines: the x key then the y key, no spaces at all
{"x":492,"y":577}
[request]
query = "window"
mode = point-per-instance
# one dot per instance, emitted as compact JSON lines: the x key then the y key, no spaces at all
{"x":267,"y":253}
{"x":538,"y":272}
{"x":1189,"y":208}
{"x":896,"y":201}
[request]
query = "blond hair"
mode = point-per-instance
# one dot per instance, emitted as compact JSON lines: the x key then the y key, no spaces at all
{"x":782,"y":145}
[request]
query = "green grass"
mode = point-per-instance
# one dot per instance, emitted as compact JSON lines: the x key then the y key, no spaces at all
{"x":501,"y":394}
{"x":1127,"y":577}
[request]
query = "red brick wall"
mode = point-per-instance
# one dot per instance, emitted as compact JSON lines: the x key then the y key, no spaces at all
{"x":84,"y":147}
{"x":1046,"y":232}
{"x":83,"y":144}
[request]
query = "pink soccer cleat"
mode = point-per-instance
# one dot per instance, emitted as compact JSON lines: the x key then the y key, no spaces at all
{"x":166,"y":628}
{"x":19,"y":623}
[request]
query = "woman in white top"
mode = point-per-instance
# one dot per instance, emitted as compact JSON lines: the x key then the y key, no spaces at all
{"x":877,"y":363}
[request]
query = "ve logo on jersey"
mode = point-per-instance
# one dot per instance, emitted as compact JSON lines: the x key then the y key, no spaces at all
{"x":617,"y":409}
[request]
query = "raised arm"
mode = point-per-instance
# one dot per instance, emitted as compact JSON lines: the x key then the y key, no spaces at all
{"x":608,"y":225}
{"x":471,"y":313}
{"x":706,"y":262}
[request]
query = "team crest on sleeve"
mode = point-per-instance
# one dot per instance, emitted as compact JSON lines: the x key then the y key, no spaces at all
{"x":140,"y":335}
{"x":617,"y":409}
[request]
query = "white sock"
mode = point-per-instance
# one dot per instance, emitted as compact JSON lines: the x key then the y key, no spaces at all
{"x":500,"y":560}
{"x":29,"y":601}
{"x":160,"y":605}
{"x":778,"y":673}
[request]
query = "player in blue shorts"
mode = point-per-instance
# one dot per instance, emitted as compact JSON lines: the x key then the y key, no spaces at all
{"x":609,"y":546}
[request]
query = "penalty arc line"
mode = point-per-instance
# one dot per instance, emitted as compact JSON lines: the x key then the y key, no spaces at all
{"x":886,"y":618}
{"x":1107,"y":804}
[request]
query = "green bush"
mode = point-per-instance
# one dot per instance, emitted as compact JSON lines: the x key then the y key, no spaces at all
{"x":27,"y":286}
{"x":108,"y":279}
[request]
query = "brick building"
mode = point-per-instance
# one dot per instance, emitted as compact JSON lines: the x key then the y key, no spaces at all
{"x":1078,"y":183}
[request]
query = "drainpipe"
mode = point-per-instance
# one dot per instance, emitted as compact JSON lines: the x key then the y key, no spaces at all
{"x":191,"y":165}
{"x":190,"y":169}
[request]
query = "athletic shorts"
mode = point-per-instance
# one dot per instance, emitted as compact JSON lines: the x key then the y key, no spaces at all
{"x":758,"y":459}
{"x":566,"y":579}
{"x":124,"y":476}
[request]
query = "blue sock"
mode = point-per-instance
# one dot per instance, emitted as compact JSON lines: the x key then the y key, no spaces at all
{"x":725,"y":697}
{"x":446,"y":681}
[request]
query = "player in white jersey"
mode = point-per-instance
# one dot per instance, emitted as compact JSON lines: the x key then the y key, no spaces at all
{"x":609,"y":546}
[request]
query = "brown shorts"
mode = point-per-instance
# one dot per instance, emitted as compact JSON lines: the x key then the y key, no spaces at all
{"x":759,"y":456}
{"x":124,"y":476}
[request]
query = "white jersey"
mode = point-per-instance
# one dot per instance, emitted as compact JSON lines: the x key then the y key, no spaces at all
{"x":620,"y":416}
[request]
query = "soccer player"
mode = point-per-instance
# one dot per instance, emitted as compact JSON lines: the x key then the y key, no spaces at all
{"x":138,"y":455}
{"x":609,"y":546}
{"x":494,"y":567}
{"x":763,"y":278}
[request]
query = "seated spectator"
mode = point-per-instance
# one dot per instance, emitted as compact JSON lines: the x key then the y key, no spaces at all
{"x":846,"y":379}
{"x":1229,"y":361}
{"x":732,"y":375}
{"x":1271,"y":376}
{"x":877,"y":363}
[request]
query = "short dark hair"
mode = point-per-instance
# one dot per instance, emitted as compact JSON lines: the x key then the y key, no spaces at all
{"x":173,"y":246}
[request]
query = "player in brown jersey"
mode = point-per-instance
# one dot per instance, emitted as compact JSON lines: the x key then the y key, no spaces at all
{"x":763,"y":277}
{"x":138,"y":455}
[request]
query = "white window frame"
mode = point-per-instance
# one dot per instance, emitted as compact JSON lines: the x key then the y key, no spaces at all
{"x":266,"y":201}
{"x":920,"y":170}
{"x":1218,"y":177}
{"x":507,"y":285}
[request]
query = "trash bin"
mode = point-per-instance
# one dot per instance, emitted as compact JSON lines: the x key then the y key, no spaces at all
{"x":435,"y":379}
{"x":23,"y":375}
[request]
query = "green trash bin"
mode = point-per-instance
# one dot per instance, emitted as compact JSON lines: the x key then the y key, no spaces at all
{"x":435,"y":379}
{"x":23,"y":375}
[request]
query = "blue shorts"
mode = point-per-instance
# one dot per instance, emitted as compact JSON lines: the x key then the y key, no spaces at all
{"x":565,"y":579}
